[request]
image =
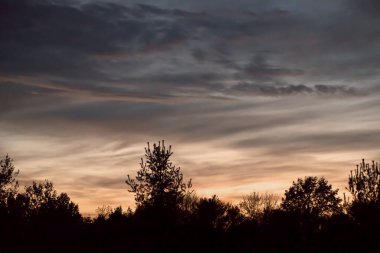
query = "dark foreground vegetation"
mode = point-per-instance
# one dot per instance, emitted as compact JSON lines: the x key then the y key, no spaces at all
{"x":170,"y":217}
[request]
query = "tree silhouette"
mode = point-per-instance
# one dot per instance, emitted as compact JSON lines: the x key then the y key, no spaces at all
{"x":255,"y":205}
{"x":8,"y":182}
{"x":118,"y":216}
{"x":189,"y":202}
{"x":42,"y":203}
{"x":312,"y":196}
{"x":364,"y":183}
{"x":364,"y":186}
{"x":103,"y":213}
{"x":158,"y":182}
{"x":212,"y":213}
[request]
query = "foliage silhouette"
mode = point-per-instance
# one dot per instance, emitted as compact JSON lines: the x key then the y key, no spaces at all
{"x":118,"y":216}
{"x":158,"y":182}
{"x":364,"y":183}
{"x":212,"y":213}
{"x":43,"y":203}
{"x":103,"y":213}
{"x":364,"y":186}
{"x":8,"y":182}
{"x":308,"y":220}
{"x":256,"y":206}
{"x":186,"y":208}
{"x":312,"y":196}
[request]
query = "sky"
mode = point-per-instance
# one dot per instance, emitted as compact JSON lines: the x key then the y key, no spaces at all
{"x":251,"y":94}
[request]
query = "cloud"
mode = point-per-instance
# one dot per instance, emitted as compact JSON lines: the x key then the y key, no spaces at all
{"x":291,"y":89}
{"x":369,"y":8}
{"x":154,"y":53}
{"x":254,"y":92}
{"x":60,"y":40}
{"x":259,"y":68}
{"x":313,"y":143}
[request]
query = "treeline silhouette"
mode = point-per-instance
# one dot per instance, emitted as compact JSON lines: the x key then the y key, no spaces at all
{"x":170,"y":217}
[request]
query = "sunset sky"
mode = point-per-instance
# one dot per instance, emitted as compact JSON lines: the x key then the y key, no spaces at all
{"x":251,"y":94}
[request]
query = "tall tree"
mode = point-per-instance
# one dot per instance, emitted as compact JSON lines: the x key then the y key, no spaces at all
{"x":158,"y":183}
{"x":312,"y":196}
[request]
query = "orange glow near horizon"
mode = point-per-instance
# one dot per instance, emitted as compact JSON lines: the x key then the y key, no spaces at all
{"x":93,"y":179}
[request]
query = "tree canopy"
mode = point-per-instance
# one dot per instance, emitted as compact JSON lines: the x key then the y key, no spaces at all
{"x":311,"y":196}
